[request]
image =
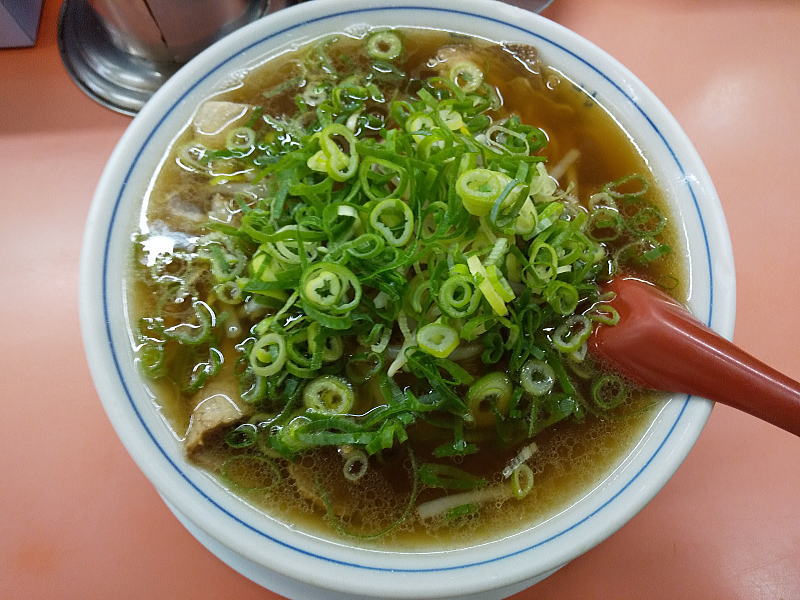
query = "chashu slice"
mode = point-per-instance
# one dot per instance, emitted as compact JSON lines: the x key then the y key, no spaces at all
{"x":218,"y":404}
{"x":215,"y":118}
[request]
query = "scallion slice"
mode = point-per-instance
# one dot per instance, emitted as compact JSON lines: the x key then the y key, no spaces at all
{"x":543,"y":264}
{"x":489,"y":292}
{"x":340,"y":164}
{"x":605,"y":314}
{"x":458,"y":296}
{"x":393,"y":219}
{"x":466,"y":75}
{"x":479,"y":188}
{"x":489,"y":394}
{"x":384,"y":45}
{"x":562,"y":296}
{"x":608,"y":392}
{"x":521,"y":481}
{"x":193,"y":334}
{"x":573,"y":332}
{"x":537,"y":377}
{"x":437,"y":339}
{"x":329,"y":395}
{"x":330,"y":288}
{"x":268,"y":354}
{"x":240,"y":138}
{"x":448,"y":477}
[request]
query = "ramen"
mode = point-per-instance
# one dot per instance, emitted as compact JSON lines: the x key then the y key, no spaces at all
{"x":366,"y":276}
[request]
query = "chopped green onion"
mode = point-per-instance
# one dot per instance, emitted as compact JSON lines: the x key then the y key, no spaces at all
{"x":452,"y":119}
{"x":355,"y":465}
{"x":461,"y":510}
{"x":543,"y":264}
{"x":384,"y":45}
{"x":601,"y":200}
{"x":447,"y":477}
{"x":640,"y":251}
{"x":340,"y":164}
{"x":330,"y":288}
{"x":257,"y":389}
{"x":507,"y":141}
{"x":458,"y":296}
{"x":393,"y":219}
{"x":525,"y":453}
{"x":562,"y":296}
{"x":604,"y":313}
{"x":152,"y":359}
{"x":655,"y":253}
{"x":467,"y":76}
{"x":490,"y":393}
{"x":201,"y":371}
{"x":240,"y":138}
{"x":648,"y":221}
{"x":527,"y":219}
{"x":420,"y":123}
{"x":332,"y":348}
{"x":573,"y":332}
{"x":492,"y":296}
{"x":615,"y":189}
{"x":548,"y":217}
{"x":437,"y":340}
{"x":521,"y":481}
{"x":228,"y":292}
{"x":537,"y":377}
{"x":194,"y":334}
{"x":365,"y":246}
{"x":289,"y":435}
{"x":498,"y":252}
{"x":268,"y":354}
{"x":479,"y":188}
{"x":381,"y":179}
{"x":329,"y":395}
{"x":499,"y":283}
{"x":242,"y":436}
{"x":604,"y":225}
{"x":609,"y":391}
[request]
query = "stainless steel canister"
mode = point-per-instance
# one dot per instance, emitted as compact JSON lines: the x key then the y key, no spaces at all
{"x":172,"y":30}
{"x":121,"y":51}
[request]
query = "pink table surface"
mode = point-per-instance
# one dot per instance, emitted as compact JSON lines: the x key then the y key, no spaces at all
{"x":78,"y":519}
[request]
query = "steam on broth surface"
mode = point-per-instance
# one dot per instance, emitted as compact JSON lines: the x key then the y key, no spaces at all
{"x":365,"y":281}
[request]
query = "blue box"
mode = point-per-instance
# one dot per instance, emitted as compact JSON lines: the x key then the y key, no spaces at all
{"x":19,"y":22}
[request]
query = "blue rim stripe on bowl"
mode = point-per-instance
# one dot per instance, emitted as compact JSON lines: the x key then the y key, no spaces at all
{"x":346,"y":13}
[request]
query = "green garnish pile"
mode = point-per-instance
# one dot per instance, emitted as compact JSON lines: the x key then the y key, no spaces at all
{"x":409,"y":260}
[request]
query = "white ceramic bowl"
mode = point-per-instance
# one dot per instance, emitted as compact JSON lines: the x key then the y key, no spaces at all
{"x":293,"y":562}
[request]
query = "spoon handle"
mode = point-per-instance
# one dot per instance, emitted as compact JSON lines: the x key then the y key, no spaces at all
{"x":660,"y":345}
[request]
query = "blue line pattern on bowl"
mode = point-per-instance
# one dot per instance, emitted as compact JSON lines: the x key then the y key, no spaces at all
{"x":353,"y":12}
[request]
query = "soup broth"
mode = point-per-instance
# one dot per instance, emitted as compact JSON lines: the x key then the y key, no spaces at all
{"x":214,"y":304}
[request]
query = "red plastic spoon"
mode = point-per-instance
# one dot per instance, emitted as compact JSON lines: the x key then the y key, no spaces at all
{"x":660,"y":345}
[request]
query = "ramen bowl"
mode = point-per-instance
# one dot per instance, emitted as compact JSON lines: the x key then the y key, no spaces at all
{"x":303,"y":565}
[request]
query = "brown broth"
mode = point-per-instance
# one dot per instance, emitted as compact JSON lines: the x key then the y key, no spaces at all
{"x":572,"y":457}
